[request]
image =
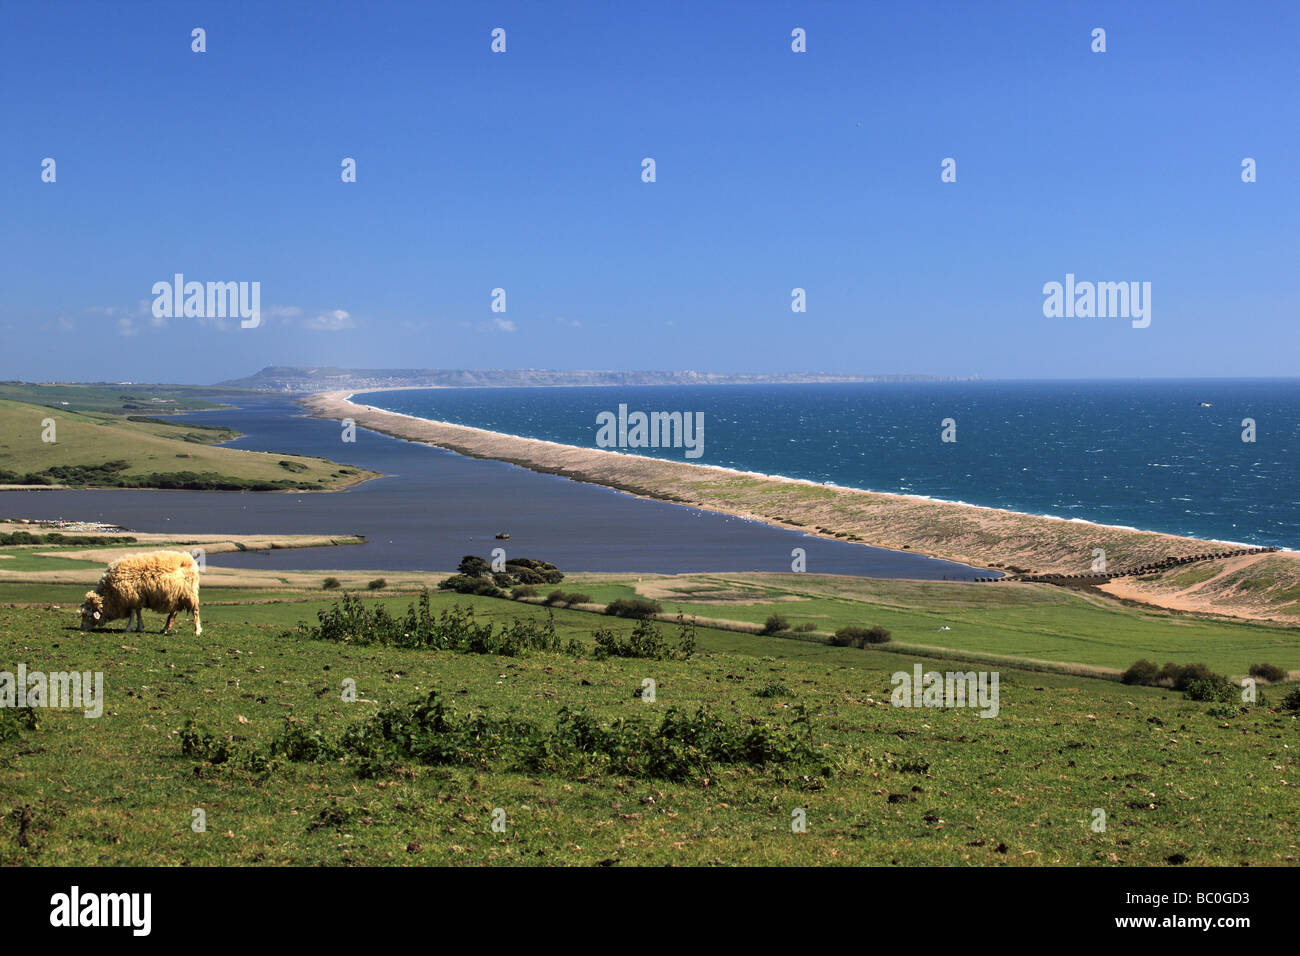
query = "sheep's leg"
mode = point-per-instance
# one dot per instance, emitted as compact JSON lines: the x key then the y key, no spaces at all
{"x":167,"y":628}
{"x":139,"y":620}
{"x":198,"y":628}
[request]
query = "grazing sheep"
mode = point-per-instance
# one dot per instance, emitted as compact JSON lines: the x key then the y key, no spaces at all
{"x":163,"y":581}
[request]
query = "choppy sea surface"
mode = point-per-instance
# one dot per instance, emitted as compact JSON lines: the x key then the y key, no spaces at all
{"x":1161,"y":455}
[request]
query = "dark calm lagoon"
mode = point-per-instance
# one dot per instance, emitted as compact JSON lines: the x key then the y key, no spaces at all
{"x":437,"y":506}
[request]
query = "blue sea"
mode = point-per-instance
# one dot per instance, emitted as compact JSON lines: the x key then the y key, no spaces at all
{"x":1159,"y":455}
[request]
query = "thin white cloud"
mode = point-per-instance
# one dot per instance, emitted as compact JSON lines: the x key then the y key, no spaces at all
{"x":334,"y":320}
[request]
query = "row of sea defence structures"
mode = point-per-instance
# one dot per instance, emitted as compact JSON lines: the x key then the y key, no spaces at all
{"x":1153,"y":567}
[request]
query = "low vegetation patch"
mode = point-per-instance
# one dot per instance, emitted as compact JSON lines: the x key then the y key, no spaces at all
{"x":680,"y":746}
{"x":633,"y":607}
{"x":857,"y":635}
{"x":474,"y":575}
{"x":566,"y":598}
{"x":350,"y":621}
{"x":646,"y":640}
{"x":1269,"y":672}
{"x":1196,"y":681}
{"x":15,"y":720}
{"x":110,"y":475}
{"x":54,"y":537}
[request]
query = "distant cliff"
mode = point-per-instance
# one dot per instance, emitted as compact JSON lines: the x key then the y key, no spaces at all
{"x":286,"y":378}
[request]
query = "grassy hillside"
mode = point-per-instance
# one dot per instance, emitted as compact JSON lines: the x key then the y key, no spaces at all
{"x":1178,"y":780}
{"x":97,"y":449}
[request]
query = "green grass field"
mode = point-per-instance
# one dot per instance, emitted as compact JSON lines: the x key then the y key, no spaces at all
{"x":1032,"y":622}
{"x":1177,"y":780}
{"x":148,"y":446}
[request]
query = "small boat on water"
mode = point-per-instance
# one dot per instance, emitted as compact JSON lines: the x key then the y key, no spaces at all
{"x":503,"y":536}
{"x":1206,"y":405}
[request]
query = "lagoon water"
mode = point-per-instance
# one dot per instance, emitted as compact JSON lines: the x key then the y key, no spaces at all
{"x":437,"y":506}
{"x":1145,"y":454}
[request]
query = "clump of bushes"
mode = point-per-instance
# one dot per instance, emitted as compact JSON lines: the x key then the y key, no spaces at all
{"x":466,"y":584}
{"x":332,"y":584}
{"x":646,"y":640}
{"x":1269,"y":672}
{"x":679,"y":746}
{"x":198,"y":743}
{"x":775,"y":624}
{"x":54,"y":537}
{"x":378,"y":584}
{"x":566,"y":599}
{"x":474,"y":575}
{"x":855,"y":635}
{"x":523,"y":591}
{"x":633,"y":607}
{"x":350,"y":621}
{"x":1141,"y":672}
{"x":1175,"y":676}
{"x":532,"y":571}
{"x":1196,"y":681}
{"x":1292,"y":700}
{"x":14,"y":720}
{"x":1215,"y":688}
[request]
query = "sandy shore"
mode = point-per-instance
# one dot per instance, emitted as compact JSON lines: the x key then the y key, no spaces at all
{"x":981,"y":537}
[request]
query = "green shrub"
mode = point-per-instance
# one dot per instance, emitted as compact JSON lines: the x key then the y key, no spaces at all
{"x":646,"y":640}
{"x":378,"y":584}
{"x":679,"y":747}
{"x":1215,"y":688}
{"x":1141,"y":672}
{"x":472,"y":566}
{"x":331,"y":584}
{"x":1269,"y":672}
{"x":14,"y":720}
{"x":198,"y":743}
{"x":633,"y":607}
{"x":532,"y":571}
{"x":566,"y":599}
{"x":855,"y":635}
{"x":350,"y":621}
{"x":465,"y":584}
{"x":775,"y":624}
{"x":1180,"y":677}
{"x":523,"y":591}
{"x":1292,"y":700}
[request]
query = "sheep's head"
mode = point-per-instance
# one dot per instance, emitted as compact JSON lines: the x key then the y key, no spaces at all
{"x":92,"y":610}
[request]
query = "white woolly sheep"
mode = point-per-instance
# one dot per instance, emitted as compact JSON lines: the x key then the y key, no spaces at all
{"x":162,"y":581}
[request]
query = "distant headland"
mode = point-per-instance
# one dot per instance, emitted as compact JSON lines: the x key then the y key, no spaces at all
{"x":298,"y":379}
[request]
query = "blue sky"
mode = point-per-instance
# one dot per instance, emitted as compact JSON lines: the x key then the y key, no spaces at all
{"x":775,"y":170}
